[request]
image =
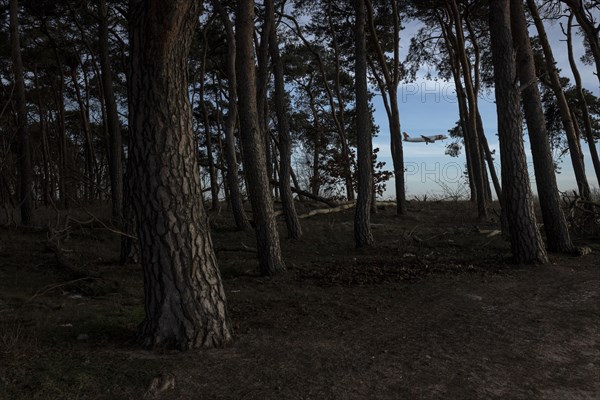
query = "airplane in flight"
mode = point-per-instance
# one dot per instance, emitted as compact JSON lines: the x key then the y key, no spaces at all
{"x":422,"y":138}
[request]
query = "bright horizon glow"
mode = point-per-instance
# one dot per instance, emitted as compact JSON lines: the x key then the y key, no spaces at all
{"x":429,"y":107}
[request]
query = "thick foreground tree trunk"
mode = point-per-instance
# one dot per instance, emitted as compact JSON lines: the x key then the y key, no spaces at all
{"x":184,"y":299}
{"x":253,"y":145}
{"x":525,"y":239}
{"x":555,"y":224}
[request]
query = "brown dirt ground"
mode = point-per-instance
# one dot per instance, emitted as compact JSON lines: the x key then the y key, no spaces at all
{"x":434,"y":311}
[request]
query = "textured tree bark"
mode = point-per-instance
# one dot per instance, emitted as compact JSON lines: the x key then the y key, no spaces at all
{"x":563,"y":106}
{"x":25,"y":168}
{"x":235,"y":197}
{"x":587,"y":121}
{"x":555,"y":224}
{"x":362,"y":217}
{"x":283,"y":127}
{"x":184,"y":299}
{"x":115,"y":148}
{"x":267,"y":236}
{"x":525,"y":239}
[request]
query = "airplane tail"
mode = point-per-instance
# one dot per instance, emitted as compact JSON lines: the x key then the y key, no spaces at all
{"x":405,"y":135}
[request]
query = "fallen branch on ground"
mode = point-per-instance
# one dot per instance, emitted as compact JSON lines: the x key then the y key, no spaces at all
{"x":329,"y":202}
{"x":327,"y":210}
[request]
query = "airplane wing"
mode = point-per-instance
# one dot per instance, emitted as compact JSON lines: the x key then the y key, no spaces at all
{"x":428,"y":139}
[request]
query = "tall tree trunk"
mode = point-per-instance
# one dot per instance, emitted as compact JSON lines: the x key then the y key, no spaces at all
{"x":362,"y":216}
{"x":267,"y":236}
{"x":285,"y":145}
{"x":563,"y":105}
{"x":591,"y":32}
{"x":471,"y":95}
{"x":490,"y":160}
{"x":90,"y":159}
{"x":340,"y":111}
{"x":64,"y":186}
{"x":212,"y":171}
{"x":525,"y":239}
{"x":484,"y":150}
{"x":315,"y":183}
{"x":184,"y":299}
{"x":47,"y":188}
{"x":64,"y":181}
{"x":587,"y":120}
{"x":115,"y":147}
{"x":555,"y":224}
{"x":262,"y":85}
{"x":25,"y":167}
{"x":390,"y":90}
{"x":217,"y":84}
{"x":463,"y":112}
{"x":235,"y":196}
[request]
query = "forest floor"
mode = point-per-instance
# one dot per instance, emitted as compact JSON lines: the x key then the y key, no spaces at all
{"x":435,"y":310}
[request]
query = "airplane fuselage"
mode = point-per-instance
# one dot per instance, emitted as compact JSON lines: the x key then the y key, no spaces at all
{"x":423,"y":139}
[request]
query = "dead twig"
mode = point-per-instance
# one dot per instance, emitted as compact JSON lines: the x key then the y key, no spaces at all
{"x":55,"y":286}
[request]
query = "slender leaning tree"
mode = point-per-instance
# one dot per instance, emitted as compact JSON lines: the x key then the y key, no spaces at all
{"x":283,"y":126}
{"x":115,"y":147}
{"x":184,"y":299}
{"x":253,"y":145}
{"x":23,"y":137}
{"x":235,"y":195}
{"x":525,"y":239}
{"x":555,"y":224}
{"x":362,"y":217}
{"x":563,"y":105}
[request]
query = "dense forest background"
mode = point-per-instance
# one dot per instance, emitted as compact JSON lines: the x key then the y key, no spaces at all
{"x":67,"y":60}
{"x":167,"y":111}
{"x":179,"y":176}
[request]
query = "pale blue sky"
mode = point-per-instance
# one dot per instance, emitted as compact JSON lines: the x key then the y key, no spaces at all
{"x":428,"y":108}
